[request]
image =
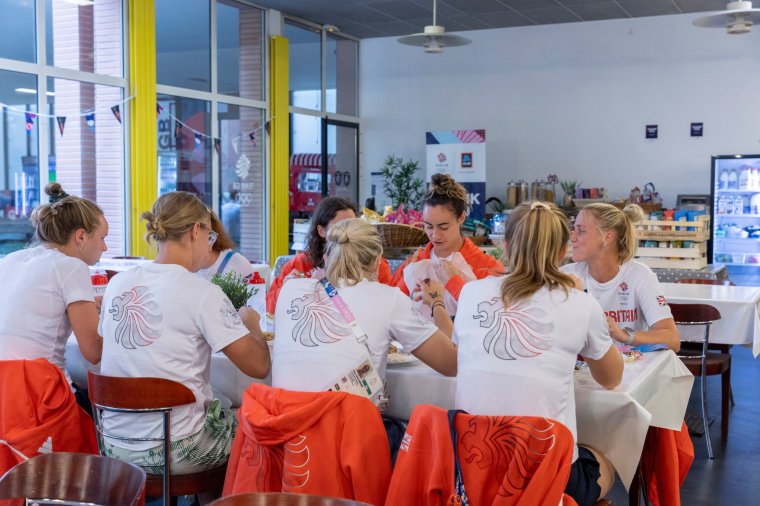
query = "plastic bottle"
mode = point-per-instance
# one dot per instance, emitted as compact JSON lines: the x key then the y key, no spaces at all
{"x":744,"y":175}
{"x":723,"y":181}
{"x":738,"y":205}
{"x":722,"y":204}
{"x":733,"y":180}
{"x":99,"y":283}
{"x":258,"y":298}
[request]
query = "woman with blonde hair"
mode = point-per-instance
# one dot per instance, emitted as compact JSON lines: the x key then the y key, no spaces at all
{"x":449,"y":258}
{"x":525,"y":330}
{"x":161,"y":320}
{"x":222,"y":257}
{"x":51,"y":289}
{"x":317,"y":344}
{"x":604,"y":243}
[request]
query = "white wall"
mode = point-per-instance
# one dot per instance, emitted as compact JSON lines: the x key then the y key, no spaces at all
{"x":572,"y":99}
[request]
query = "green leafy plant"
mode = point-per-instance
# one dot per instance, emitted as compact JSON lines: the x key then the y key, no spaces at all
{"x":497,"y":253}
{"x":400,"y":183}
{"x":569,"y":187}
{"x":235,"y":287}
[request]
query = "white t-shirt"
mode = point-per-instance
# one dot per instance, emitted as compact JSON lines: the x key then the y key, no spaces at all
{"x":237,"y":263}
{"x":40,"y":283}
{"x":633,"y":298}
{"x":160,"y":320}
{"x":315,"y":345}
{"x":521,"y":361}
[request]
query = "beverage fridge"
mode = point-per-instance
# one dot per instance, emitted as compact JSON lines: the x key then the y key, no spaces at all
{"x":735,"y":204}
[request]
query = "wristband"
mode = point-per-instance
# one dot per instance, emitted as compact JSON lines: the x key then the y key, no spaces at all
{"x":436,"y":303}
{"x":631,"y":335}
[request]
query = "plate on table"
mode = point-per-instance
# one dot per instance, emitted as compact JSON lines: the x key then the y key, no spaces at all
{"x":401,"y":359}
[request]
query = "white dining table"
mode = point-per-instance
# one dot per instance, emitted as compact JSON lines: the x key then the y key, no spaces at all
{"x":738,"y":306}
{"x":653,"y":392}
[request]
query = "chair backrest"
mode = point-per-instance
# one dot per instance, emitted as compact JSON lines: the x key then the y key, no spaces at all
{"x":694,"y":281}
{"x":283,"y":499}
{"x":136,"y":393}
{"x":75,"y":477}
{"x":139,"y":396}
{"x":694,"y":314}
{"x":279,"y":263}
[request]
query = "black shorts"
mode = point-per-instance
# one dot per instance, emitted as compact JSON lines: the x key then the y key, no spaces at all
{"x":583,"y":483}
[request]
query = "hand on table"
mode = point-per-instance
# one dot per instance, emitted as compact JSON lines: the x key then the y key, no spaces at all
{"x":616,"y":332}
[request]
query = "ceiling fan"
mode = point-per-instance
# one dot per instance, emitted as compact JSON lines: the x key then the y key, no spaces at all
{"x":434,"y":38}
{"x":737,"y":18}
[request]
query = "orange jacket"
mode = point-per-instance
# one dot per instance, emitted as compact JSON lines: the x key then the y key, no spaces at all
{"x":665,"y":462}
{"x":38,"y":409}
{"x":482,"y":265}
{"x":302,"y":264}
{"x":505,"y":460}
{"x":322,"y":443}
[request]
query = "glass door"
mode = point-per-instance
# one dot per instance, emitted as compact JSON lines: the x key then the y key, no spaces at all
{"x":340,"y":159}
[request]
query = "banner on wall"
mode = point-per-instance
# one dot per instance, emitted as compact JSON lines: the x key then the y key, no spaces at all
{"x":461,"y":154}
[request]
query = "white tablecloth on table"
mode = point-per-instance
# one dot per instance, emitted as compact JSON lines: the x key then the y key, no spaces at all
{"x":653,"y":392}
{"x":738,"y":306}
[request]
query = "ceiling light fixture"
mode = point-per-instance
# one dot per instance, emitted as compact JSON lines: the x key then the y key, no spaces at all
{"x":736,"y":19}
{"x":330,"y":28}
{"x":434,"y":38}
{"x":30,"y":91}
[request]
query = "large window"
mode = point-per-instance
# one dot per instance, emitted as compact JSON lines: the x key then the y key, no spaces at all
{"x":61,"y":76}
{"x":324,"y":123}
{"x":211,"y":95}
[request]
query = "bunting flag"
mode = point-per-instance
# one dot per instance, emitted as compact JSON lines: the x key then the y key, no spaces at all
{"x":61,"y":123}
{"x":236,"y":144}
{"x":198,"y":140}
{"x":116,"y":112}
{"x":159,"y":108}
{"x":29,"y":121}
{"x":177,"y":129}
{"x":218,"y":146}
{"x":90,"y":120}
{"x":252,"y":136}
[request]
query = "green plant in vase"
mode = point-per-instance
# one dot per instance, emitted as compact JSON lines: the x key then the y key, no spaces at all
{"x":235,"y":287}
{"x":400,"y":183}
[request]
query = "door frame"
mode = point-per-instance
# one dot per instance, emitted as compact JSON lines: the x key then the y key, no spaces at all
{"x":325,"y":187}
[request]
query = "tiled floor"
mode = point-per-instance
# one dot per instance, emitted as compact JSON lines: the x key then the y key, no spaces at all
{"x":733,"y":476}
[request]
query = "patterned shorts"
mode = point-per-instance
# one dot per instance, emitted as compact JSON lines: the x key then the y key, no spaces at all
{"x":207,"y":449}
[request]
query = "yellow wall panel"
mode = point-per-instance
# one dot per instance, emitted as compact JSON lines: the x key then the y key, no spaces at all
{"x":279,"y":200}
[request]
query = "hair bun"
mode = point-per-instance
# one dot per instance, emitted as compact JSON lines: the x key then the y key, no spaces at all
{"x":55,"y":192}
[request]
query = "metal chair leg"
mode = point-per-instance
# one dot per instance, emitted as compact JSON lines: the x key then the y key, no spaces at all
{"x":704,"y":413}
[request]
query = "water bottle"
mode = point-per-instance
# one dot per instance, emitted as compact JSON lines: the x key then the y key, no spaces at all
{"x":99,"y":283}
{"x":258,"y":294}
{"x":738,"y":205}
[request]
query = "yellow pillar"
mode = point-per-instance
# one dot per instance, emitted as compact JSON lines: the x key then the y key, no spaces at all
{"x":142,"y":78}
{"x":279,"y":132}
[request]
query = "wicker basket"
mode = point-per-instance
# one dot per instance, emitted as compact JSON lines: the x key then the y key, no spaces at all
{"x":397,"y":235}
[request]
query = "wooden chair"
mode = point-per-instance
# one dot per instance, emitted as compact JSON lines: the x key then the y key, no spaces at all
{"x":77,"y":478}
{"x":704,"y":363}
{"x":283,"y":499}
{"x":723,"y":348}
{"x":151,"y":395}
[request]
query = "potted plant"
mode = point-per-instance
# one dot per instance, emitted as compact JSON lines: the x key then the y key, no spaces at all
{"x":569,"y":187}
{"x":235,"y":287}
{"x":400,"y":183}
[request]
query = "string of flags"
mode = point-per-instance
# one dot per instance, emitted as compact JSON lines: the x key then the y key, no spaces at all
{"x":200,"y":137}
{"x":89,"y":116}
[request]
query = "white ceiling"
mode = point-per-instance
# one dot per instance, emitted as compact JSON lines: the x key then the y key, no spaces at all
{"x":384,"y":18}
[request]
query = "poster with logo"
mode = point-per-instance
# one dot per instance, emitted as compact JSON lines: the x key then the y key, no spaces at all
{"x":462,"y":154}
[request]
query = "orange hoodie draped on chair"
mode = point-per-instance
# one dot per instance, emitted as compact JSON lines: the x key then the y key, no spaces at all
{"x":505,"y":460}
{"x":322,"y":443}
{"x":38,"y":411}
{"x":665,"y":462}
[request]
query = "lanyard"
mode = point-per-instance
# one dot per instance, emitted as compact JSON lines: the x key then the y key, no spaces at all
{"x":460,"y":494}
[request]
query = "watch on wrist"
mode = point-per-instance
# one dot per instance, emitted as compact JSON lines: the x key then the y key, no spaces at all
{"x":631,"y":335}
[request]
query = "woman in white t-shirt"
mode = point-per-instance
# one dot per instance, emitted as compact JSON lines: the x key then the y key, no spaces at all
{"x":519,"y":336}
{"x":222,"y":257}
{"x":604,"y":244}
{"x":48,"y":287}
{"x":162,"y":320}
{"x":316,"y":348}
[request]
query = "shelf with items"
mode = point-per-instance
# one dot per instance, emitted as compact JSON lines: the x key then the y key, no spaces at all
{"x":737,"y":190}
{"x":672,"y":244}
